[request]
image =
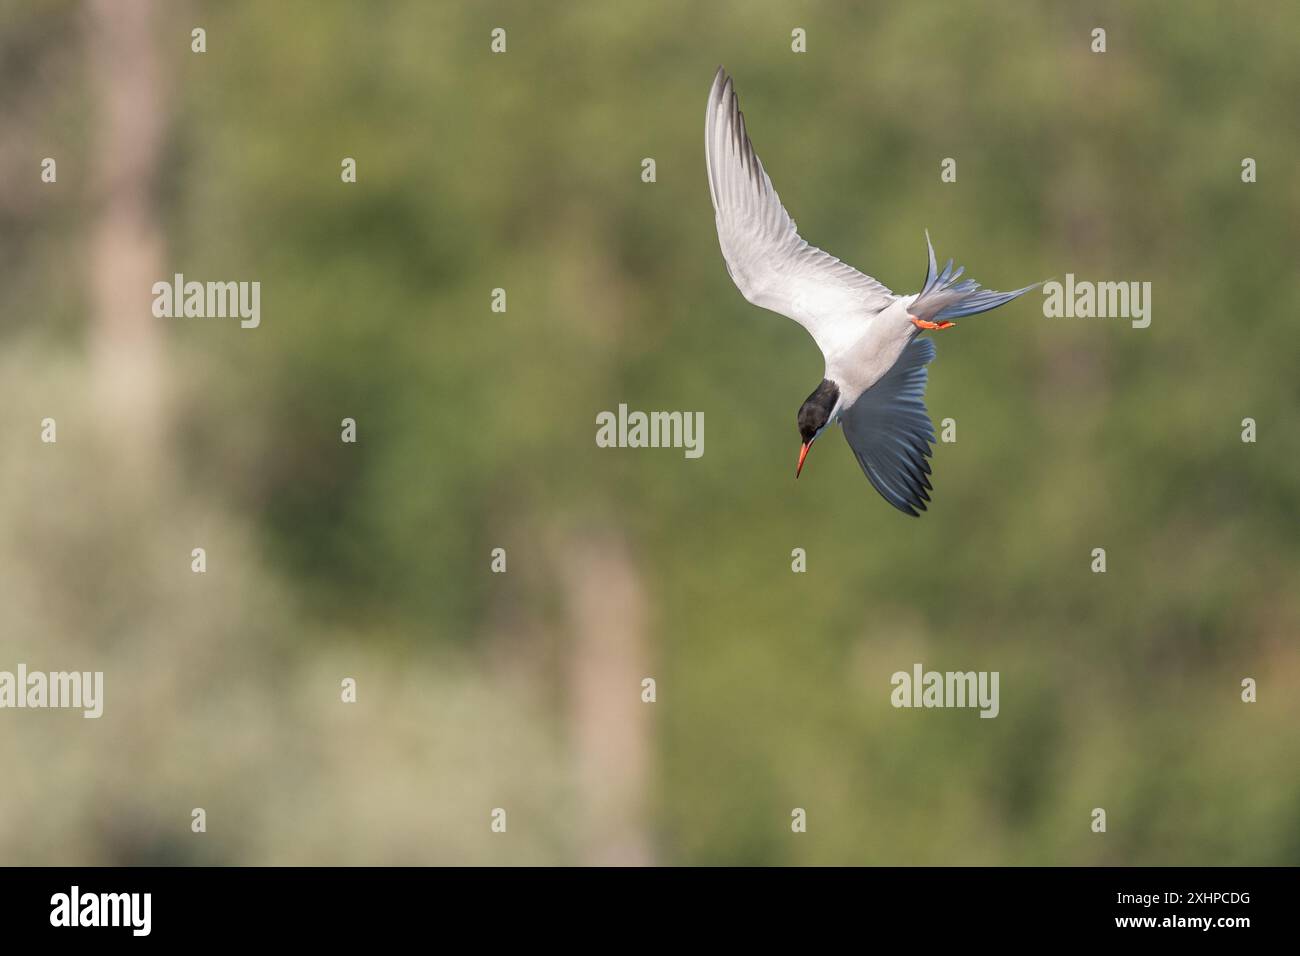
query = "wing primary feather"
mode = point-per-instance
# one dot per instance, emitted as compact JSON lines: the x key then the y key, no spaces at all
{"x":890,"y":432}
{"x":767,"y":259}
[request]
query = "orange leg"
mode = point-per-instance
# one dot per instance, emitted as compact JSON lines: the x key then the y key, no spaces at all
{"x":923,"y":324}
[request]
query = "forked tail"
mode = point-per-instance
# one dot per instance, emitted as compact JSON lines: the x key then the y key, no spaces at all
{"x":943,"y":298}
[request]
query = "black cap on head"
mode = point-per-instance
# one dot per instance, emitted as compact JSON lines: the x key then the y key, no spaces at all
{"x":815,"y":412}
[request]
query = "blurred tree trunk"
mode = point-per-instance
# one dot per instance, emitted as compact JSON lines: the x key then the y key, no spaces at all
{"x":126,"y":251}
{"x":611,"y":727}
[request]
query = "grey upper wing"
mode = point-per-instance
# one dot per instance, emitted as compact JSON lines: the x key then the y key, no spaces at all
{"x":771,"y":265}
{"x":890,"y":432}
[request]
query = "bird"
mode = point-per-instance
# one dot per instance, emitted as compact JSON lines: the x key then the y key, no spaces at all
{"x":875,"y":374}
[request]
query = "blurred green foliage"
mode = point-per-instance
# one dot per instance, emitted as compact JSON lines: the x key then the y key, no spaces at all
{"x":522,"y":171}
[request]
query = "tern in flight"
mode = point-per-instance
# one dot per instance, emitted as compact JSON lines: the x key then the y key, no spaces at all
{"x":874,"y":384}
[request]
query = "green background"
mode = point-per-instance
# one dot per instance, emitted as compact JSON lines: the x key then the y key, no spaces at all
{"x":476,"y":431}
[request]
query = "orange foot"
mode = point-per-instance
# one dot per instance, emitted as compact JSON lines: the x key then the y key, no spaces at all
{"x":923,"y":324}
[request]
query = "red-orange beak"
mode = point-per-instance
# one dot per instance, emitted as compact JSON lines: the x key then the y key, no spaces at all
{"x":803,"y":453}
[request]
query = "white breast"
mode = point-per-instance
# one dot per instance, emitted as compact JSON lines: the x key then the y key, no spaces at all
{"x":861,"y":363}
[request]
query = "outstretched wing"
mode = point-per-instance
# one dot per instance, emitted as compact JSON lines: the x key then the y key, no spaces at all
{"x":889,"y":430}
{"x":771,"y":265}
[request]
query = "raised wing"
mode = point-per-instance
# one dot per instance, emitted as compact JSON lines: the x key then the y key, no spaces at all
{"x":889,"y":431}
{"x":771,"y":265}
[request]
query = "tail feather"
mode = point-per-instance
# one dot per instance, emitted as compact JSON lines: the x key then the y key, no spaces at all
{"x":943,"y":297}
